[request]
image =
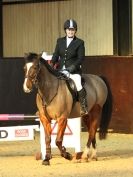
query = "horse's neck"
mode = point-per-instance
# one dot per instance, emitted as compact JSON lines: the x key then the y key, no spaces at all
{"x":48,"y":85}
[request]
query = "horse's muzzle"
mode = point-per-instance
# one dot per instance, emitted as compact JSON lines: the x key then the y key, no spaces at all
{"x":25,"y":88}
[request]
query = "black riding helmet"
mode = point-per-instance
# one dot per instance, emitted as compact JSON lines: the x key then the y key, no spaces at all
{"x":70,"y":24}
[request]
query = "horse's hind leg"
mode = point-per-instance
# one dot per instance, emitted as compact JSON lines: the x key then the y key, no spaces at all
{"x":62,"y":122}
{"x":91,"y":123}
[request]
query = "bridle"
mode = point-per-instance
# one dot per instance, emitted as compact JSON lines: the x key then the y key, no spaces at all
{"x":34,"y":79}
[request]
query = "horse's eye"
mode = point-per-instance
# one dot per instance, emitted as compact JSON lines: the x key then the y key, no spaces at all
{"x":35,"y":67}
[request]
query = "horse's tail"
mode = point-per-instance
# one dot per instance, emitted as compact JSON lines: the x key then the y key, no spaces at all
{"x":106,"y":112}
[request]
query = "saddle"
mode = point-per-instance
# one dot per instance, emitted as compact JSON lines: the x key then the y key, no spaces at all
{"x":71,"y":85}
{"x":72,"y":88}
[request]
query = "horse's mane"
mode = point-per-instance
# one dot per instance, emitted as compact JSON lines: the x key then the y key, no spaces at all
{"x":31,"y":57}
{"x":50,"y":69}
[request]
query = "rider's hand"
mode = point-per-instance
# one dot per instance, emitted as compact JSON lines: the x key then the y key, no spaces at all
{"x":71,"y":68}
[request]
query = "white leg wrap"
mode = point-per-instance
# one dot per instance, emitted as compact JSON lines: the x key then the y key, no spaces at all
{"x":86,"y":152}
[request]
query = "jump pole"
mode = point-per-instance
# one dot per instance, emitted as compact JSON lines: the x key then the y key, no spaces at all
{"x":15,"y":127}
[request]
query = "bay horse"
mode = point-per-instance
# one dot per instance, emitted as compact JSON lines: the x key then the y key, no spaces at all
{"x":55,"y":101}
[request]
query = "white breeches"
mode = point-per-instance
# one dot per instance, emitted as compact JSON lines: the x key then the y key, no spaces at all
{"x":76,"y":78}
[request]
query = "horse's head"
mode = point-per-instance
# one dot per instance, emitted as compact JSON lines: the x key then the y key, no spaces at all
{"x":31,"y":69}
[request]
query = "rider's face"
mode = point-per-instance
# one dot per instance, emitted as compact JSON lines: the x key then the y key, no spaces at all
{"x":70,"y":32}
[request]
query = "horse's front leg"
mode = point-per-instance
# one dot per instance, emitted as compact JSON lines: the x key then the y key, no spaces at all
{"x":47,"y":129}
{"x":62,"y":122}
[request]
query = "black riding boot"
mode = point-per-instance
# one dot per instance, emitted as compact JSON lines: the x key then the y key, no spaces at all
{"x":83,"y":102}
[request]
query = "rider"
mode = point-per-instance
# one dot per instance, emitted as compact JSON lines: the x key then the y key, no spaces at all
{"x":69,"y":54}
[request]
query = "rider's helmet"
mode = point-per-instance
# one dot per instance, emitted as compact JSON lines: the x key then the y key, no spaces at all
{"x":70,"y":24}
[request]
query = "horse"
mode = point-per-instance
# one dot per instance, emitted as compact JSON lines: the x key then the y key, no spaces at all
{"x":55,"y":102}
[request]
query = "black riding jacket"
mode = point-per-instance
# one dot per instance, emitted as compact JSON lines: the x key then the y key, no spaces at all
{"x":73,"y":55}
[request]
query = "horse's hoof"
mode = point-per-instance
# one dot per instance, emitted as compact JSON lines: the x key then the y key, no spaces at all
{"x":45,"y":162}
{"x":67,"y":156}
